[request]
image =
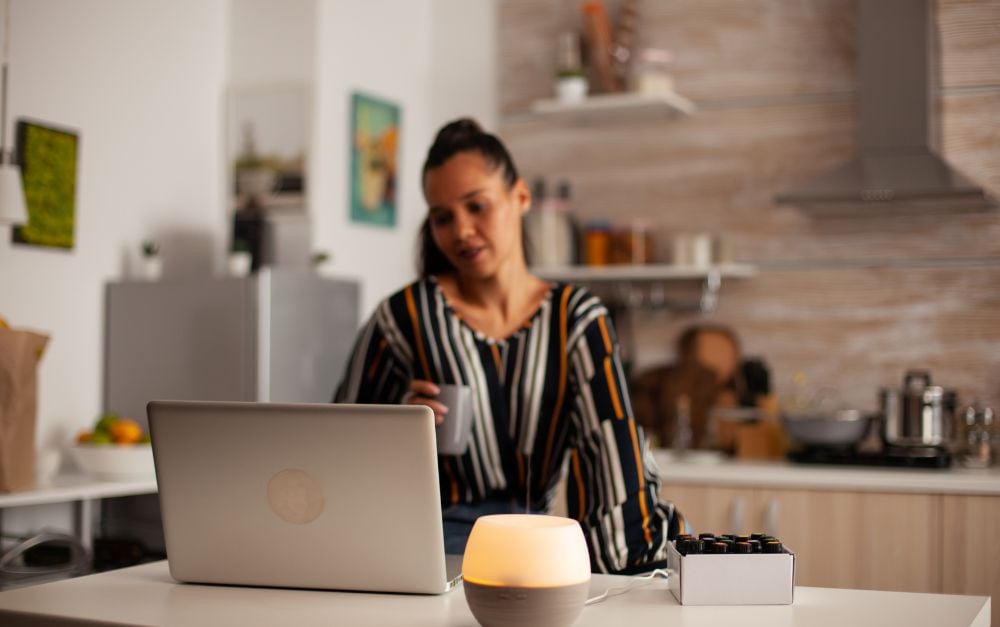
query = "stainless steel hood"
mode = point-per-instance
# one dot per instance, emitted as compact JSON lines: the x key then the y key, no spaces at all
{"x":896,"y":161}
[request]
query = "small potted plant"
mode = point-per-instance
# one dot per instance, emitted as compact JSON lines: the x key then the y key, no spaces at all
{"x":256,"y":176}
{"x":150,"y":264}
{"x":240,"y":260}
{"x":319,"y":259}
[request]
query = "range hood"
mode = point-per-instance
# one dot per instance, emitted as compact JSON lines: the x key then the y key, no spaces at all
{"x":895,"y":161}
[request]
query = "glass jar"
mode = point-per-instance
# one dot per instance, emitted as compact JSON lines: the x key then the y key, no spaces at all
{"x":597,"y":243}
{"x":978,"y":451}
{"x":650,"y":73}
{"x":633,"y":244}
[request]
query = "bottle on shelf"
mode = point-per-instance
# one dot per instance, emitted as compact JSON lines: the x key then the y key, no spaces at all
{"x":571,"y":83}
{"x":568,"y":240}
{"x":549,"y":230}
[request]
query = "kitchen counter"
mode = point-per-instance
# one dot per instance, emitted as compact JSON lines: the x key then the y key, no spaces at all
{"x":77,"y":487}
{"x":783,"y":474}
{"x":83,"y":492}
{"x":147,"y":595}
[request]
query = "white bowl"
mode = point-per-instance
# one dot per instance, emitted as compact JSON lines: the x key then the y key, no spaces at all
{"x":115,"y":462}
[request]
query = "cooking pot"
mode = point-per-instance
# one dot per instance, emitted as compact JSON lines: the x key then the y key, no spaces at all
{"x":920,"y":414}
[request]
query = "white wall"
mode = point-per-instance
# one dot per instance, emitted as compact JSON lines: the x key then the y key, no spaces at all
{"x":145,"y":83}
{"x":464,"y":60}
{"x":432,"y":57}
{"x":381,"y":48}
{"x":142,"y":82}
{"x":272,"y":42}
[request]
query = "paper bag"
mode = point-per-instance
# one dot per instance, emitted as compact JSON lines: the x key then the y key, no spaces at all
{"x":20,"y":352}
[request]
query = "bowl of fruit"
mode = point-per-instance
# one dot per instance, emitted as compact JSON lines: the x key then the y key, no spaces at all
{"x":117,"y":449}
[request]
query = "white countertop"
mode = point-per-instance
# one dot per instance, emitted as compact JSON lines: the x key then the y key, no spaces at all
{"x":76,"y":487}
{"x":146,"y":595}
{"x":783,"y":474}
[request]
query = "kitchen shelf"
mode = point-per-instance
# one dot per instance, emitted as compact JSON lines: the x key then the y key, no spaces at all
{"x":670,"y":104}
{"x":629,"y":281}
{"x":644,"y":273}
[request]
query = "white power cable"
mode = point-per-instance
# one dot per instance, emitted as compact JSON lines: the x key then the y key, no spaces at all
{"x":637,"y":582}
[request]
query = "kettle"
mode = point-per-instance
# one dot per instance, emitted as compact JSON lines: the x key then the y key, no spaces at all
{"x":918,"y":415}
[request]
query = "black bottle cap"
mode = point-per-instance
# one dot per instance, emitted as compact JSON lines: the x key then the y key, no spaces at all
{"x":684,"y":536}
{"x":727,"y":536}
{"x":755,"y":545}
{"x":743,"y":547}
{"x":756,"y":536}
{"x":706,"y":536}
{"x":720,"y":547}
{"x":538,"y":190}
{"x":692,"y":546}
{"x":773,"y":547}
{"x":563,"y":190}
{"x":742,"y":538}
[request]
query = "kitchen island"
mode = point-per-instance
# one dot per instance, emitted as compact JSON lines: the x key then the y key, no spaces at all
{"x":147,"y":595}
{"x":869,"y":528}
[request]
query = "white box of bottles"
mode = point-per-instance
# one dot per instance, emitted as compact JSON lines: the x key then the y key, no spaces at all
{"x":731,"y":578}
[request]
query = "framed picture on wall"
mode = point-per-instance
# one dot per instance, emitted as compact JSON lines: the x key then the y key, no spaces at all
{"x":375,"y":127}
{"x":47,"y":155}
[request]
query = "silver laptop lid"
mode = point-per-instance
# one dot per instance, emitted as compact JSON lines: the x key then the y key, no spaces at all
{"x":300,"y":495}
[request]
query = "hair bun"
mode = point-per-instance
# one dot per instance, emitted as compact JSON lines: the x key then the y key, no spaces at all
{"x":458,"y":130}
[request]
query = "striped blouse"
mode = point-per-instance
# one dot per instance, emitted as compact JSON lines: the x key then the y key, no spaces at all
{"x":552,"y":392}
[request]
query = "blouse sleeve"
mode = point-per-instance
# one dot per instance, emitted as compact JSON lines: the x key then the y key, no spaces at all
{"x":377,"y":371}
{"x":613,"y":484}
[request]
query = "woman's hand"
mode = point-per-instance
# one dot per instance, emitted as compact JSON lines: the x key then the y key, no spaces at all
{"x":423,"y":393}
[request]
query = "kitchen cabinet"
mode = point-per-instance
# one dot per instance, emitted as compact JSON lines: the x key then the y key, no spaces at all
{"x":863,"y":540}
{"x":851,"y":526}
{"x":841,"y":539}
{"x":970,"y":547}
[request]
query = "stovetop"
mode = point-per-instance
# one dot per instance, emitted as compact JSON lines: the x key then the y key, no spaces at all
{"x":890,"y":457}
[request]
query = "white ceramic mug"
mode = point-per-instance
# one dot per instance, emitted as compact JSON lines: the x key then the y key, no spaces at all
{"x":456,"y":425}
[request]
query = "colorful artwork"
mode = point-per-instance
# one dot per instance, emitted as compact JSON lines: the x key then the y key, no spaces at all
{"x":374,"y":158}
{"x":48,"y":159}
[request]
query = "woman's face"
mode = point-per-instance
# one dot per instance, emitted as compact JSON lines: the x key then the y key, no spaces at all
{"x":474,"y":219}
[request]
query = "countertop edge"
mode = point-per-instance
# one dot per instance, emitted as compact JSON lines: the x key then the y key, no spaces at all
{"x":783,"y":474}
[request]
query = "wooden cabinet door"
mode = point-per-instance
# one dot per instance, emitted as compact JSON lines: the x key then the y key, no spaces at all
{"x":971,"y":548}
{"x":863,"y":540}
{"x":711,"y":509}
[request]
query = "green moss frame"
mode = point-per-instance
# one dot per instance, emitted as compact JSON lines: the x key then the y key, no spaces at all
{"x":47,"y":155}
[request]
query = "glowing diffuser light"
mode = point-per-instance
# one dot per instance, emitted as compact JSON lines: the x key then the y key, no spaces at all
{"x":526,"y":570}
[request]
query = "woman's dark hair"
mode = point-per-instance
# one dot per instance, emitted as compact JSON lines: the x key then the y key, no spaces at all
{"x":462,"y":135}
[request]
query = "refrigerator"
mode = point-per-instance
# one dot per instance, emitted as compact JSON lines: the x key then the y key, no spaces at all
{"x":278,"y":335}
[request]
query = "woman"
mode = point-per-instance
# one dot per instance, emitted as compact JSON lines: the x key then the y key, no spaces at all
{"x":541,"y":358}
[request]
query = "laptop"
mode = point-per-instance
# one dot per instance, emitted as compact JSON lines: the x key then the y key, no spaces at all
{"x":340,"y":497}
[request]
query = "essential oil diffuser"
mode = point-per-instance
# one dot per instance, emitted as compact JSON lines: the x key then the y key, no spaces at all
{"x":526,"y":570}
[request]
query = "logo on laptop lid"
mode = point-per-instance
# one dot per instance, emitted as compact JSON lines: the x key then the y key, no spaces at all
{"x":295,"y":496}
